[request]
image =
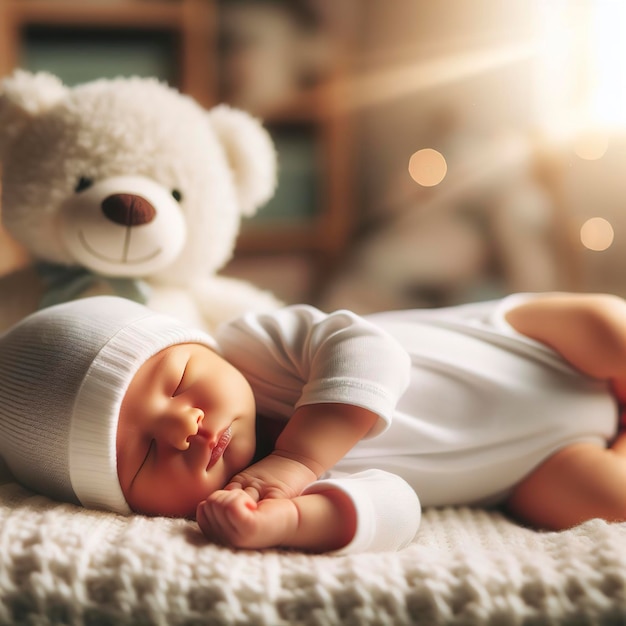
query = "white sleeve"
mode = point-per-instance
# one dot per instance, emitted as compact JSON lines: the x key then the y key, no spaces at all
{"x":299,"y":355}
{"x":388,"y":511}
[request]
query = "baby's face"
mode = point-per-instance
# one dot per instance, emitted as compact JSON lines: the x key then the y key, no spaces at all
{"x":186,"y":426}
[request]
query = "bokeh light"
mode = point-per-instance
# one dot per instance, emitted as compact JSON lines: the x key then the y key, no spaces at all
{"x":591,"y":145}
{"x":597,"y":234}
{"x":427,"y":167}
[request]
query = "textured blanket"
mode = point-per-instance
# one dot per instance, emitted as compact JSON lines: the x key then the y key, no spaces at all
{"x":60,"y":564}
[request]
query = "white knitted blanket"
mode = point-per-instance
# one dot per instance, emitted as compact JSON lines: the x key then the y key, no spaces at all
{"x":60,"y":564}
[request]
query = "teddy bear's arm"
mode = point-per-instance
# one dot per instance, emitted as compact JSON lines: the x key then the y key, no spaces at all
{"x":220,"y":299}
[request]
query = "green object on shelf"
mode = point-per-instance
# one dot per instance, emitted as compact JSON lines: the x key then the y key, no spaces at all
{"x":79,"y":55}
{"x":297,"y":195}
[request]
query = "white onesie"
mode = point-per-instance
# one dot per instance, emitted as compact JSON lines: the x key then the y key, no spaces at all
{"x":467,"y":405}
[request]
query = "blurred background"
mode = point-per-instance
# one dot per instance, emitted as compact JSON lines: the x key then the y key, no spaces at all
{"x":431,"y":153}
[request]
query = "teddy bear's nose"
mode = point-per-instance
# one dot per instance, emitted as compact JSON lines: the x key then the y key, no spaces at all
{"x":128,"y":209}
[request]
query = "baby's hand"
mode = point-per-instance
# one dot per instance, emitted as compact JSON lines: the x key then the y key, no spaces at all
{"x":275,"y":476}
{"x":235,"y":519}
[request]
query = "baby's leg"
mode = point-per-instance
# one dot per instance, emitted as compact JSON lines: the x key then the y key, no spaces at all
{"x":578,"y":483}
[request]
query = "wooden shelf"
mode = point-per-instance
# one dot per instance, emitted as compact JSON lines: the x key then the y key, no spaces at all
{"x":311,"y":105}
{"x":193,"y":21}
{"x":118,"y":14}
{"x":281,"y":238}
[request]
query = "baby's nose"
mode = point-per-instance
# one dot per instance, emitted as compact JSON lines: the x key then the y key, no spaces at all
{"x":177,"y":428}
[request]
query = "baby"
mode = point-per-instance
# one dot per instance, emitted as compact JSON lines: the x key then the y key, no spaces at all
{"x":322,"y":432}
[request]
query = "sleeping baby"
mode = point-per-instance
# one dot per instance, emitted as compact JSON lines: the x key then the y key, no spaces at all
{"x":322,"y":432}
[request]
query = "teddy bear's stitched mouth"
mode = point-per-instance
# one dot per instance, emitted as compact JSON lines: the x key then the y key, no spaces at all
{"x":124,"y":259}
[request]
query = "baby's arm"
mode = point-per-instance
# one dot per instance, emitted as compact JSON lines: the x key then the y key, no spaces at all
{"x":314,"y":439}
{"x":371,"y":510}
{"x":316,"y":522}
{"x":324,"y":365}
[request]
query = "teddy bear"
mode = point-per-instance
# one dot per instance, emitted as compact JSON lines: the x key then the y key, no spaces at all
{"x":128,"y":186}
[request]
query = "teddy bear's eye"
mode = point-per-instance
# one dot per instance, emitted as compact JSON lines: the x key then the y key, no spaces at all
{"x":83,"y":183}
{"x":178,"y":196}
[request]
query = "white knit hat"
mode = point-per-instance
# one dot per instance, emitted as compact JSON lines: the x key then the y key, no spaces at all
{"x":64,"y":372}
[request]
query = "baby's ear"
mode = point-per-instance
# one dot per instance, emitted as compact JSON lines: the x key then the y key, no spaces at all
{"x":23,"y":96}
{"x":251,"y":155}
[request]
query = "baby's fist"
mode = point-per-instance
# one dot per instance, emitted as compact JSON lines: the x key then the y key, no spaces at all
{"x":233,"y":518}
{"x":224,"y":517}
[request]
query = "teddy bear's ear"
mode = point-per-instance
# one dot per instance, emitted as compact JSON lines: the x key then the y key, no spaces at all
{"x":251,"y":155}
{"x":24,"y":95}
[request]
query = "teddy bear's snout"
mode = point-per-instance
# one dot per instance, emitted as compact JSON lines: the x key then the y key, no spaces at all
{"x":128,"y":209}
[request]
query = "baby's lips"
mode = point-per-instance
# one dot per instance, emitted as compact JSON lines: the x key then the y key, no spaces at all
{"x":220,"y":446}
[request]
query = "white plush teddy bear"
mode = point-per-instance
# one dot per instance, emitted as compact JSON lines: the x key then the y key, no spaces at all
{"x":127,"y":186}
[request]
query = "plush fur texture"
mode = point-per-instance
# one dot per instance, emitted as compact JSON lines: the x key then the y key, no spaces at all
{"x":65,"y":150}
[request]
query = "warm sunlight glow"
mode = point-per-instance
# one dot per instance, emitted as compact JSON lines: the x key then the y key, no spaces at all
{"x":596,"y":234}
{"x":580,"y":77}
{"x":581,"y":73}
{"x":553,"y":78}
{"x":427,"y":167}
{"x":591,"y":145}
{"x":607,"y":54}
{"x":390,"y":83}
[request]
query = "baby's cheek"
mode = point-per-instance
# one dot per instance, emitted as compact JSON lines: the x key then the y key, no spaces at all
{"x":241,"y":457}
